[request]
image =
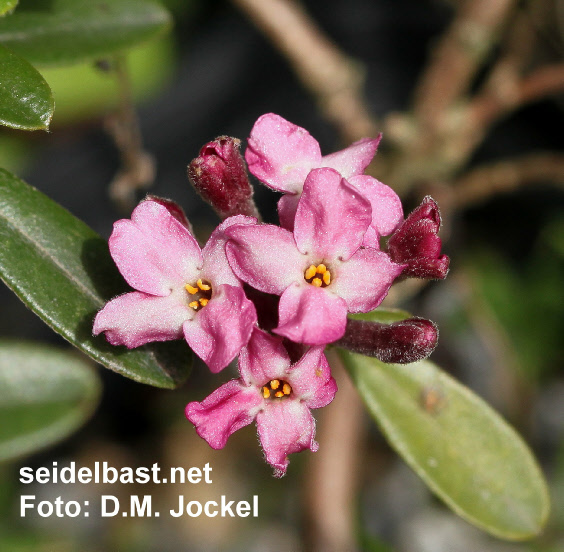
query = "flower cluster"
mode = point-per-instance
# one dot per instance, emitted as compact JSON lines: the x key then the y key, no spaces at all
{"x":304,"y":277}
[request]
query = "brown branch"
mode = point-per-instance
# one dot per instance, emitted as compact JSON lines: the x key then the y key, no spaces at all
{"x":505,"y":176}
{"x":332,"y":473}
{"x":333,"y":78}
{"x":457,"y":57}
{"x":137,"y":170}
{"x":511,"y":94}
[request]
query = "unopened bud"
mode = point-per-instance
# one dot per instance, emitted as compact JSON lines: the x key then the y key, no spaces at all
{"x":401,"y":342}
{"x":416,"y":243}
{"x":219,"y":175}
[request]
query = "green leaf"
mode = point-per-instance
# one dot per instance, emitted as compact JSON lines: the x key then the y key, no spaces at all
{"x":45,"y":394}
{"x":26,"y":101}
{"x":68,"y":31}
{"x":463,"y":450}
{"x":383,"y":316}
{"x":63,"y":271}
{"x":7,"y":6}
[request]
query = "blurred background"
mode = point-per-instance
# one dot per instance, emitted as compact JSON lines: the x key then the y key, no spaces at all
{"x":469,"y":96}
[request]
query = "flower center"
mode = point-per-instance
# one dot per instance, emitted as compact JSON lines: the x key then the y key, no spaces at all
{"x":200,"y":294}
{"x":318,"y":276}
{"x":276,"y":389}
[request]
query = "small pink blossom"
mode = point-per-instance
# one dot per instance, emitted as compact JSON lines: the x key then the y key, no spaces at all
{"x":281,"y":155}
{"x":182,"y":291}
{"x":320,"y":269}
{"x":272,"y":391}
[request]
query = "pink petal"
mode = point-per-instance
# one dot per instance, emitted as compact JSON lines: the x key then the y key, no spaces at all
{"x":174,"y":209}
{"x":387,"y":211}
{"x":263,"y":359}
{"x":311,"y":379}
{"x":216,"y":267}
{"x":287,"y":206}
{"x":311,"y":315}
{"x":354,"y":159}
{"x":285,"y":426}
{"x":222,"y":327}
{"x":364,"y":280}
{"x":265,"y":256}
{"x":135,"y":318}
{"x":332,"y":217}
{"x":280,"y":154}
{"x":229,"y":408}
{"x":154,"y":251}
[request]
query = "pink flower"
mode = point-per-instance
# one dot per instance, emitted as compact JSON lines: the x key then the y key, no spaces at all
{"x":181,"y":289}
{"x":281,"y":155}
{"x":272,"y":391}
{"x":320,"y":270}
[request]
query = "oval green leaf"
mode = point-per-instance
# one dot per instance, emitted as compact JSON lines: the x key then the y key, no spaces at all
{"x":6,"y":6}
{"x":461,"y":448}
{"x":63,"y":271}
{"x":26,"y":101}
{"x":68,"y":31}
{"x":45,"y":395}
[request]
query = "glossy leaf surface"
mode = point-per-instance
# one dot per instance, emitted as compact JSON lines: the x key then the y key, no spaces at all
{"x":63,"y":271}
{"x":26,"y":101}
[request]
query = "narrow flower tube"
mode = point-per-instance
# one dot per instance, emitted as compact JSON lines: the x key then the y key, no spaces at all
{"x":219,"y":175}
{"x":416,"y":243}
{"x":401,"y":342}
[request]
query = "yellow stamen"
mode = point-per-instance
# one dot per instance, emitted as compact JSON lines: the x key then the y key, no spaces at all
{"x":202,"y":286}
{"x":278,"y":394}
{"x":310,"y":272}
{"x":274,"y":384}
{"x":204,"y":301}
{"x":194,"y":305}
{"x":286,"y":389}
{"x":327,"y":278}
{"x":321,"y":269}
{"x":191,"y":290}
{"x":265,"y":392}
{"x":317,"y":282}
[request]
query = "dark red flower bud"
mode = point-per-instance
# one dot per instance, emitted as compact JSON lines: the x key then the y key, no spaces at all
{"x":400,"y":342}
{"x":219,"y":175}
{"x":416,"y":243}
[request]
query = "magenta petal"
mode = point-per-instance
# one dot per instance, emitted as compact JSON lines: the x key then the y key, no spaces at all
{"x":387,"y":211}
{"x":229,"y":408}
{"x":354,"y":159}
{"x":332,"y":217}
{"x":135,"y":318}
{"x":222,"y":327}
{"x":263,"y":359}
{"x":265,"y":256}
{"x":280,"y":154}
{"x":284,"y":427}
{"x":311,"y":315}
{"x":216,"y":267}
{"x":311,"y":379}
{"x":364,"y":280}
{"x":153,"y":251}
